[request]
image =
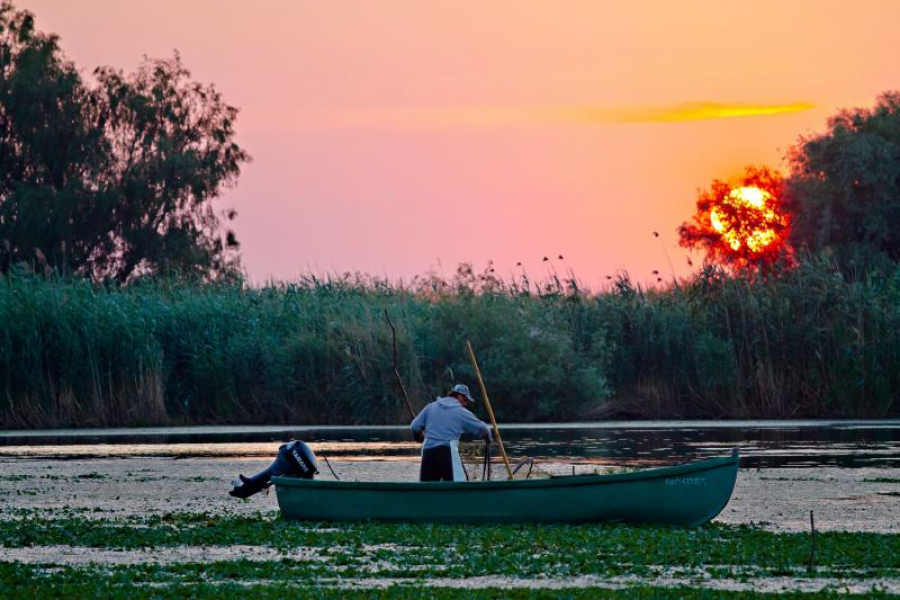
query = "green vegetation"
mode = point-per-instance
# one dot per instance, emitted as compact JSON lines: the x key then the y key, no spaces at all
{"x":114,"y":176}
{"x":808,"y":341}
{"x":86,"y":583}
{"x":130,"y":583}
{"x":320,"y":558}
{"x":844,"y":188}
{"x":445,"y":550}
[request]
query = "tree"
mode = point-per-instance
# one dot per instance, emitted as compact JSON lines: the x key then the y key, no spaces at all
{"x":740,"y":225}
{"x":113,"y":179}
{"x":844,"y":188}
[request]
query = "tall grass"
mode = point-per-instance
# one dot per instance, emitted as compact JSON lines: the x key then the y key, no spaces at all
{"x":807,"y":342}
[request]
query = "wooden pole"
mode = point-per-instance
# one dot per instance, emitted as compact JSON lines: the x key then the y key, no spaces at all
{"x":487,"y":403}
{"x":812,"y":547}
{"x":412,"y":413}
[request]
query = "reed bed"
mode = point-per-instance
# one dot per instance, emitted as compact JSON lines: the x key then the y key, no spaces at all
{"x":806,"y":342}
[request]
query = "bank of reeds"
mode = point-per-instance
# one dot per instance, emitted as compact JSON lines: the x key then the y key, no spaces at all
{"x":807,"y":342}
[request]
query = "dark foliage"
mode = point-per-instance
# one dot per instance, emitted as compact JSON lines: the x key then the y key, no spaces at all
{"x":113,"y":179}
{"x":844,"y":191}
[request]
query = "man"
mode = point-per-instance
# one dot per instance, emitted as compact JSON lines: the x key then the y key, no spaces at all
{"x":440,"y":424}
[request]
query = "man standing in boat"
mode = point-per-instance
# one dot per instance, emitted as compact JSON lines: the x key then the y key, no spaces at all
{"x":441,"y":424}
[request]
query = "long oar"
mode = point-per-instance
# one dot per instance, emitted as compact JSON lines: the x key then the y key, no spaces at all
{"x":412,"y":413}
{"x":487,"y":403}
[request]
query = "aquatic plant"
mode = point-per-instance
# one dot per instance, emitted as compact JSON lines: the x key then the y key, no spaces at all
{"x":368,"y":554}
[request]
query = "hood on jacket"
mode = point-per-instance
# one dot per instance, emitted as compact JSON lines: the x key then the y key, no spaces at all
{"x":448,"y":402}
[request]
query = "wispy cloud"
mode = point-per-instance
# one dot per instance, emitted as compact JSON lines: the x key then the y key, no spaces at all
{"x":690,"y":111}
{"x":487,"y":116}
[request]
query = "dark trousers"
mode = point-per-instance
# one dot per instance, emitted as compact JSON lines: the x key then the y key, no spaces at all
{"x":437,"y":464}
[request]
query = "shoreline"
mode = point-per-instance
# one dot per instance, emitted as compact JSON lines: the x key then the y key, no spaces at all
{"x":250,"y":429}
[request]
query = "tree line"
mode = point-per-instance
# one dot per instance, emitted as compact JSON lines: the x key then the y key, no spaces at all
{"x":114,"y":177}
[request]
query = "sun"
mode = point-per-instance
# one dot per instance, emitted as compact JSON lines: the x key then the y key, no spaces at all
{"x":753,"y":221}
{"x":743,"y":223}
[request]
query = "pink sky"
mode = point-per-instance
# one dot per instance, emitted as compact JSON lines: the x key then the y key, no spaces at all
{"x":395,"y":137}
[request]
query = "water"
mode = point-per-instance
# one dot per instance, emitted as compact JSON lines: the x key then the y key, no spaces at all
{"x":763,"y":444}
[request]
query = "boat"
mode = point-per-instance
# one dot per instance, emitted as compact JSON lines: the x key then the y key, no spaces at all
{"x":689,"y":494}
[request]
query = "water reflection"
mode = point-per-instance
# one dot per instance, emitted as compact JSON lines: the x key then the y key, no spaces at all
{"x":762,"y":443}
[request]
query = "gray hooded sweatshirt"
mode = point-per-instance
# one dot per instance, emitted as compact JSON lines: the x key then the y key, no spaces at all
{"x":445,"y":420}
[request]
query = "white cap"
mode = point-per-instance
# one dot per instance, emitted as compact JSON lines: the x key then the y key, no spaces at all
{"x":463,"y":389}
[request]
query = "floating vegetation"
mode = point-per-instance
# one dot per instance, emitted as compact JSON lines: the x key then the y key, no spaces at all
{"x":395,"y":560}
{"x":142,"y":582}
{"x":550,"y":549}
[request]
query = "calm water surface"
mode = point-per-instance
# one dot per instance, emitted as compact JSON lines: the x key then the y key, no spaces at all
{"x":769,"y":444}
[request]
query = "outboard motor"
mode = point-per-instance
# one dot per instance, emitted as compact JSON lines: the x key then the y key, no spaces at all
{"x":294,"y":459}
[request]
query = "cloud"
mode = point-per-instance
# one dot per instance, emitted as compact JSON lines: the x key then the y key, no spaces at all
{"x":691,"y":111}
{"x":487,"y":116}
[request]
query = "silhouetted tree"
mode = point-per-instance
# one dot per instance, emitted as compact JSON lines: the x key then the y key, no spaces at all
{"x":114,"y":179}
{"x":740,"y":230}
{"x":844,"y":190}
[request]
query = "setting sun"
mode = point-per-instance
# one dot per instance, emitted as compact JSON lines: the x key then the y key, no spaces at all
{"x":743,"y":223}
{"x":751,"y":202}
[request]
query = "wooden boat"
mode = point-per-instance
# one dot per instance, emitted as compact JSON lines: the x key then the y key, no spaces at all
{"x":689,"y":494}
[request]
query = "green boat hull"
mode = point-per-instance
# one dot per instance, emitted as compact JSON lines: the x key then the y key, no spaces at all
{"x":689,"y":494}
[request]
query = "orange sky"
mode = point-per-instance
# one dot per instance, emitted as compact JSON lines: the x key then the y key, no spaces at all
{"x":395,"y":137}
